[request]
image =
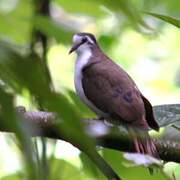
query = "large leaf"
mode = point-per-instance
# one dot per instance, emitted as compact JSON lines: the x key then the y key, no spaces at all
{"x":87,"y":7}
{"x":21,"y":71}
{"x":14,"y":24}
{"x":81,"y":108}
{"x":89,"y":168}
{"x":167,"y":114}
{"x":62,"y":34}
{"x":61,"y":169}
{"x":128,"y":8}
{"x":168,"y":19}
{"x":15,"y":176}
{"x":94,"y":8}
{"x":9,"y":120}
{"x":128,"y":172}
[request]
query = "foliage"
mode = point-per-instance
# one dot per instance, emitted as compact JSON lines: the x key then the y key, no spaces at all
{"x":27,"y":39}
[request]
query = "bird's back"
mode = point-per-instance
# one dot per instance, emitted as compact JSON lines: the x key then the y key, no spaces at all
{"x":113,"y":91}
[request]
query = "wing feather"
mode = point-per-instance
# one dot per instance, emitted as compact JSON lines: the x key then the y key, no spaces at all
{"x":113,"y":91}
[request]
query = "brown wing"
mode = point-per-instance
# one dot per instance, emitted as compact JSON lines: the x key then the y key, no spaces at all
{"x":111,"y":89}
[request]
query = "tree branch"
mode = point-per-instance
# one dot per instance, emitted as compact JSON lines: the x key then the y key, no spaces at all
{"x":45,"y":124}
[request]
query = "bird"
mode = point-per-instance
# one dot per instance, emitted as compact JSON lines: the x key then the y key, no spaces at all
{"x":108,"y":90}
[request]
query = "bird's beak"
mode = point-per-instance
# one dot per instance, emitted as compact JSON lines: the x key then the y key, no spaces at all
{"x":75,"y":46}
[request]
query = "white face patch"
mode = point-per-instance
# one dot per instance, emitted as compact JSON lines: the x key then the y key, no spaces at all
{"x":84,"y":47}
{"x":77,"y":39}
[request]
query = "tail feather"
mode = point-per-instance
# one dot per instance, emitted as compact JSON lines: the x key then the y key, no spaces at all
{"x":145,"y":145}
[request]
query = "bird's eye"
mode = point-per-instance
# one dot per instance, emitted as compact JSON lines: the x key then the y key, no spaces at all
{"x":84,"y":39}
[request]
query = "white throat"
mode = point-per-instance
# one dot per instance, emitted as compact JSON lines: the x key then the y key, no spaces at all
{"x":82,"y":60}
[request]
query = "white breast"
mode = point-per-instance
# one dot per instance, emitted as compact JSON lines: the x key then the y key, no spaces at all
{"x":81,"y":62}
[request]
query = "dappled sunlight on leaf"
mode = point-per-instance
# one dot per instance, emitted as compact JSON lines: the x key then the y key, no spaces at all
{"x":116,"y":159}
{"x":142,"y":160}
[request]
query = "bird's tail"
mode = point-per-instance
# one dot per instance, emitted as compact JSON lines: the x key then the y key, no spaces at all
{"x":143,"y":144}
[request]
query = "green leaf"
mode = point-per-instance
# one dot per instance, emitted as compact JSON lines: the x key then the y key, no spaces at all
{"x":94,"y":8}
{"x":10,"y":121}
{"x":128,"y":8}
{"x":22,"y":71}
{"x":88,"y":7}
{"x":138,"y":159}
{"x":83,"y":110}
{"x":89,"y":167}
{"x":168,"y":19}
{"x":15,"y":176}
{"x":167,"y":114}
{"x":115,"y":158}
{"x":50,"y":28}
{"x":61,"y":169}
{"x":106,"y":41}
{"x":15,"y":25}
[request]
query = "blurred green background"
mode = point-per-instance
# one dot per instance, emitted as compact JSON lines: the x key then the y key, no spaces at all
{"x":39,"y":32}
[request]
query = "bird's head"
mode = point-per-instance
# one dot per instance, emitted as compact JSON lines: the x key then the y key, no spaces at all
{"x":83,"y":42}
